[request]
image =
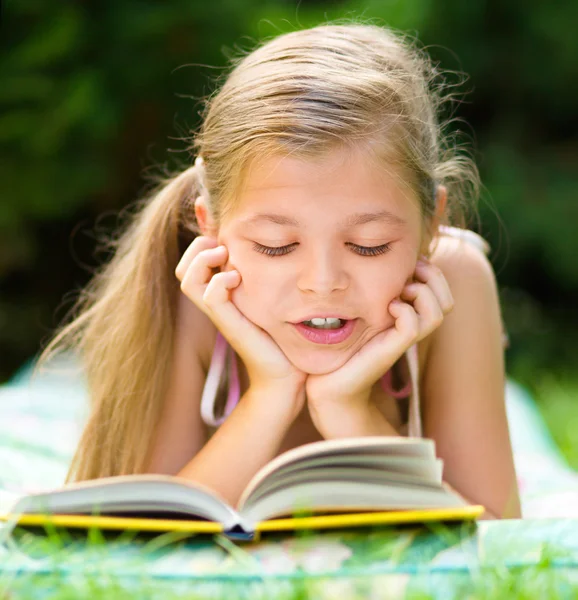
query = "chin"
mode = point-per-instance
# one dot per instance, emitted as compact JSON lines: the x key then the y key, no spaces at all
{"x":315,"y":362}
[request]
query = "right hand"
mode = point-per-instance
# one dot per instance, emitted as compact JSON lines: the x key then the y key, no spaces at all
{"x":266,"y":364}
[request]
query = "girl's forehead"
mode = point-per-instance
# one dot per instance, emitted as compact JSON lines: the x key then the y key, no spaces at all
{"x":342,"y":182}
{"x":334,"y":168}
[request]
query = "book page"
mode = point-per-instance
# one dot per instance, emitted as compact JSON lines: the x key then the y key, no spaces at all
{"x":346,"y":496}
{"x":339,"y":474}
{"x":358,"y":447}
{"x":430,"y":471}
{"x":131,"y":494}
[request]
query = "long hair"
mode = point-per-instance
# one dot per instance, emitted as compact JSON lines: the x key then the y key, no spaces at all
{"x":303,"y":93}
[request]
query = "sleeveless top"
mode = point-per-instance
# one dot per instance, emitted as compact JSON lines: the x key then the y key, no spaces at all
{"x":223,"y":354}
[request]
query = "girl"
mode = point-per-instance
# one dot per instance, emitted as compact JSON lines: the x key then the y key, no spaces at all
{"x":303,"y":280}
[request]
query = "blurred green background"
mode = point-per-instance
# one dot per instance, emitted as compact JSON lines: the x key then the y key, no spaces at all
{"x":97,"y":96}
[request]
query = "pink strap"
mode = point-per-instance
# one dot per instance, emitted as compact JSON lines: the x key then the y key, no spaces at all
{"x":214,"y":377}
{"x":234,"y":386}
{"x":411,"y":389}
{"x":387,"y":386}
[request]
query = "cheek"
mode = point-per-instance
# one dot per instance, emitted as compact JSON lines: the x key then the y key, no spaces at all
{"x":255,"y":295}
{"x":384,"y":287}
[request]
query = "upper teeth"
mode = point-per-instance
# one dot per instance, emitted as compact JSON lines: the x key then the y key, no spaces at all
{"x":324,"y":321}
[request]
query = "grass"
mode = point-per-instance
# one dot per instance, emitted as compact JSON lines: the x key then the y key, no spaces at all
{"x":95,"y":581}
{"x":557,"y":397}
{"x":556,"y":394}
{"x":524,"y":584}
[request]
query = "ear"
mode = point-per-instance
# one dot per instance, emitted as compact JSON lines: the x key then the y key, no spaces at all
{"x":204,"y":218}
{"x":441,"y":201}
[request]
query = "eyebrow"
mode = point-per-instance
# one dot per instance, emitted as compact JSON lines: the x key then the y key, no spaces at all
{"x":353,"y":220}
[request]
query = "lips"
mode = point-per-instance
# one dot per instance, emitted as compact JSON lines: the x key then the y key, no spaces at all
{"x":326,"y":336}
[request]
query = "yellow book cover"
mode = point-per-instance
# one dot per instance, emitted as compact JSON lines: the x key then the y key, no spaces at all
{"x":325,"y":521}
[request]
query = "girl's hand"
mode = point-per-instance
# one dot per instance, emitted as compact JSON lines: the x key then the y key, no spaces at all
{"x":420,"y":311}
{"x":267,"y":365}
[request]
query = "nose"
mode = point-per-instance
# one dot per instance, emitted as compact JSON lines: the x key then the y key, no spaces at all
{"x":322,"y":274}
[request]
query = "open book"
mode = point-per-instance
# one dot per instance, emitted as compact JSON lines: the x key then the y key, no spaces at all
{"x":339,"y":483}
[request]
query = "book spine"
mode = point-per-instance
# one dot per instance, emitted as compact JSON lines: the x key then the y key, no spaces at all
{"x":239,"y":534}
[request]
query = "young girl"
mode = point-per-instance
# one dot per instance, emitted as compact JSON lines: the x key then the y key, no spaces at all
{"x":303,"y":280}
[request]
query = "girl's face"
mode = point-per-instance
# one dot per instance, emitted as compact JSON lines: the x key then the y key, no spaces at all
{"x":323,"y":217}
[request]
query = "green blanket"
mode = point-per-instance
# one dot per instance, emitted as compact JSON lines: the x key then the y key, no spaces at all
{"x":40,"y":422}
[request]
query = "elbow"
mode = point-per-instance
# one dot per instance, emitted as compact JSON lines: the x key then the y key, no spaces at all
{"x":490,"y":516}
{"x":512,"y":508}
{"x":513,"y":511}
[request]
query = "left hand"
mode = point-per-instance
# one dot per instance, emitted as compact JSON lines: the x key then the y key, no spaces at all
{"x":420,"y":310}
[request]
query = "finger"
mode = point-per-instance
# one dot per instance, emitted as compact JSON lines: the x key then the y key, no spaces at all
{"x":426,"y":306}
{"x":428,"y":273}
{"x":380,"y":353}
{"x":407,"y":324}
{"x":199,"y":244}
{"x":217,"y":291}
{"x":239,"y":331}
{"x":202,"y":267}
{"x":200,"y":272}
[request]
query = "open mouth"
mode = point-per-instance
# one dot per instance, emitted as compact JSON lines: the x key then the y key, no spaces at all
{"x":326,"y":331}
{"x":322,"y":323}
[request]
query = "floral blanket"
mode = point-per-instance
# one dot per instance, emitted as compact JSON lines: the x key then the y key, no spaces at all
{"x":40,"y":423}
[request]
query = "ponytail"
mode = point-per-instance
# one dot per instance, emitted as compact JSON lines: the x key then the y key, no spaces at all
{"x":123,"y":329}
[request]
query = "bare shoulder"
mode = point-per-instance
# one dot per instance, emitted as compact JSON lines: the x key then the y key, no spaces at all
{"x":461,"y":255}
{"x":470,"y":276}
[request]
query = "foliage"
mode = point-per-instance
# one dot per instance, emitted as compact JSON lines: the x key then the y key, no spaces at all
{"x":95,"y":96}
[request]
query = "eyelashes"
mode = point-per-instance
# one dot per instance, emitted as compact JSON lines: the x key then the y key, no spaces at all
{"x":279,"y":251}
{"x":361,"y":250}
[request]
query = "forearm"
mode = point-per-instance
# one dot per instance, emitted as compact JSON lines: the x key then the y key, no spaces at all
{"x":247,"y":440}
{"x":355,"y":419}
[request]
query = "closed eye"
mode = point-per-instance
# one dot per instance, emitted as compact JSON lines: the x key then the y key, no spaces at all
{"x":361,"y":250}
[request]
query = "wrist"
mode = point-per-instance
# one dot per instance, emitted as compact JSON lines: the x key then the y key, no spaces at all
{"x":351,"y":420}
{"x":338,"y":421}
{"x":328,"y":403}
{"x":278,"y":401}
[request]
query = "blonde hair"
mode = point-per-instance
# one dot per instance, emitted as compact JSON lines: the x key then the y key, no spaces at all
{"x":304,"y":93}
